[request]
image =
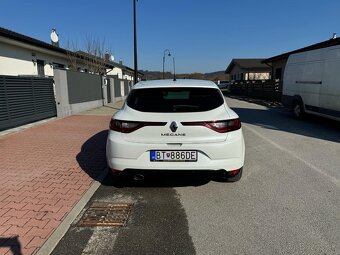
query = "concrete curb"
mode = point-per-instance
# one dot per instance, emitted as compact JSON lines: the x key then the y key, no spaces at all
{"x":58,"y":234}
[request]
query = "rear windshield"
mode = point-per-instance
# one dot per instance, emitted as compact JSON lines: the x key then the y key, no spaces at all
{"x":174,"y":99}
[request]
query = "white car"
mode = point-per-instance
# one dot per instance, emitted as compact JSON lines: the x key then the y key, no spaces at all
{"x":176,"y":125}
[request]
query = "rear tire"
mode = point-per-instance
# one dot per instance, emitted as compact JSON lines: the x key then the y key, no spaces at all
{"x":298,"y":110}
{"x":117,"y":179}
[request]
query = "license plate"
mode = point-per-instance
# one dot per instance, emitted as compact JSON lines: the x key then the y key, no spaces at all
{"x":175,"y":156}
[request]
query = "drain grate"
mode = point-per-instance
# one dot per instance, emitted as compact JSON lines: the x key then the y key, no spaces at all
{"x":106,"y":215}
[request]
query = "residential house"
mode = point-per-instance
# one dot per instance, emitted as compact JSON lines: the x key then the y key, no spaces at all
{"x":21,"y":55}
{"x":248,"y":69}
{"x":41,"y":80}
{"x":278,"y":63}
{"x":123,"y":72}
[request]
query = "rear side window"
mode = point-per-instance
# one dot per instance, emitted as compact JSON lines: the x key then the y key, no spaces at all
{"x":174,"y":99}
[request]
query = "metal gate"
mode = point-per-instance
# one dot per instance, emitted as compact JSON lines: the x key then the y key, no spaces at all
{"x":25,"y":99}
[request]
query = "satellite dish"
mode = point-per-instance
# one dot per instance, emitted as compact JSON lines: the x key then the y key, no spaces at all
{"x":112,"y":58}
{"x":54,"y":37}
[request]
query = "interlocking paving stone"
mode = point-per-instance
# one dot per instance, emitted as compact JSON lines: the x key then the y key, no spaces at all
{"x":44,"y":171}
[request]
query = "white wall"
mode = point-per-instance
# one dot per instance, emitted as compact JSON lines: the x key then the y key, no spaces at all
{"x":15,"y":60}
{"x":248,"y":76}
{"x":128,"y":77}
{"x":119,"y":72}
{"x":116,"y":71}
{"x":257,"y":76}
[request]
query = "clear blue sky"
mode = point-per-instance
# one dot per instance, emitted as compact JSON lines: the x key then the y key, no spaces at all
{"x":202,"y":35}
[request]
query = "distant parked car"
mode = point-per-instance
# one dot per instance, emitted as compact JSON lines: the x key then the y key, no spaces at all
{"x":224,"y":85}
{"x":176,"y":125}
{"x":311,"y":83}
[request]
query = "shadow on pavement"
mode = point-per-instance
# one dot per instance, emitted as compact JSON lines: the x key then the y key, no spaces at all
{"x":163,"y":178}
{"x":92,"y":158}
{"x":283,"y":120}
{"x":12,"y":243}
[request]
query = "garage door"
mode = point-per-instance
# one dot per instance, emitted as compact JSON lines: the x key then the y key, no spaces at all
{"x":24,"y":100}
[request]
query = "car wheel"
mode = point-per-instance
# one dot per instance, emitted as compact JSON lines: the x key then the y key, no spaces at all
{"x":117,"y":178}
{"x":225,"y":176}
{"x":298,"y":110}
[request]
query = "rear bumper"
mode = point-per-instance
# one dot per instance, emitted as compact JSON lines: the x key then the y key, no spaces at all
{"x":227,"y":155}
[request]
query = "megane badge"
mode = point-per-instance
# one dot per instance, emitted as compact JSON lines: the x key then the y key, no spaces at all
{"x":173,"y":126}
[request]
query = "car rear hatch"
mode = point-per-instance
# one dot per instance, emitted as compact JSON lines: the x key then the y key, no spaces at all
{"x":172,"y":128}
{"x":174,"y":115}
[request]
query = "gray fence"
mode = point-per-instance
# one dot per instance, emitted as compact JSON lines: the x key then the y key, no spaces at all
{"x":83,"y":87}
{"x":77,"y":92}
{"x":269,"y":90}
{"x":28,"y":99}
{"x":24,"y":100}
{"x":120,"y":88}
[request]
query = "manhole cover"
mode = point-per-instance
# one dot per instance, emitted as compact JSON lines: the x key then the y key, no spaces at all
{"x":106,"y":215}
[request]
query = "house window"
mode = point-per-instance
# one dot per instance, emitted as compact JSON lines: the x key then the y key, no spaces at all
{"x":278,"y":73}
{"x":241,"y":76}
{"x":41,"y":67}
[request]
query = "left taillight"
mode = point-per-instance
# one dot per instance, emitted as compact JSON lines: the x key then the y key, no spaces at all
{"x":221,"y":126}
{"x":130,"y":126}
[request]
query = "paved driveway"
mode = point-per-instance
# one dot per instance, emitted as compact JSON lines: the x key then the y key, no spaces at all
{"x":44,"y":171}
{"x":287,"y":202}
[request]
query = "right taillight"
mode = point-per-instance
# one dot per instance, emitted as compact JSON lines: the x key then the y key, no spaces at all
{"x":221,"y":126}
{"x":130,"y":126}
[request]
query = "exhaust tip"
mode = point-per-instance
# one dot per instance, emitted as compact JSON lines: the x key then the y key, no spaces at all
{"x":138,"y":177}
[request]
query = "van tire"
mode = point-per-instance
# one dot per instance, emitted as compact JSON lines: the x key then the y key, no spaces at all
{"x":298,"y":110}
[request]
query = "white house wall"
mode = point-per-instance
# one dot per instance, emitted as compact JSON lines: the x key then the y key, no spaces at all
{"x":128,"y":77}
{"x":116,"y":71}
{"x":248,"y":75}
{"x":257,"y":76}
{"x":15,"y":60}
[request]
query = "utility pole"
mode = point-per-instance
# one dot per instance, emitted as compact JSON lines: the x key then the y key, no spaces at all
{"x":135,"y":42}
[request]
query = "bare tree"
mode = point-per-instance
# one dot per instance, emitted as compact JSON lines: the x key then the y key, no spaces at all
{"x":93,"y":58}
{"x":72,"y":48}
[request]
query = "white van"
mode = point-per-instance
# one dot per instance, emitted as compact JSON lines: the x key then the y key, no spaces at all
{"x":311,"y":83}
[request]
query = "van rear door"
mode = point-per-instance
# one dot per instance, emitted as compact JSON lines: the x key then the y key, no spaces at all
{"x":330,"y":91}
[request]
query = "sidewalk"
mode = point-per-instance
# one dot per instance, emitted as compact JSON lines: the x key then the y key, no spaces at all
{"x":44,"y":171}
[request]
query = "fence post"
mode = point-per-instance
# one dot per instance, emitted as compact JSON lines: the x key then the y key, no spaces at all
{"x":61,"y":93}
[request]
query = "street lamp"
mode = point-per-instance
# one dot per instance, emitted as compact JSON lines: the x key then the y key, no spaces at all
{"x":135,"y":42}
{"x":169,"y":54}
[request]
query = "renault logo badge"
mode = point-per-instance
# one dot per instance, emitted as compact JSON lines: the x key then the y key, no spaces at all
{"x":173,"y":126}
